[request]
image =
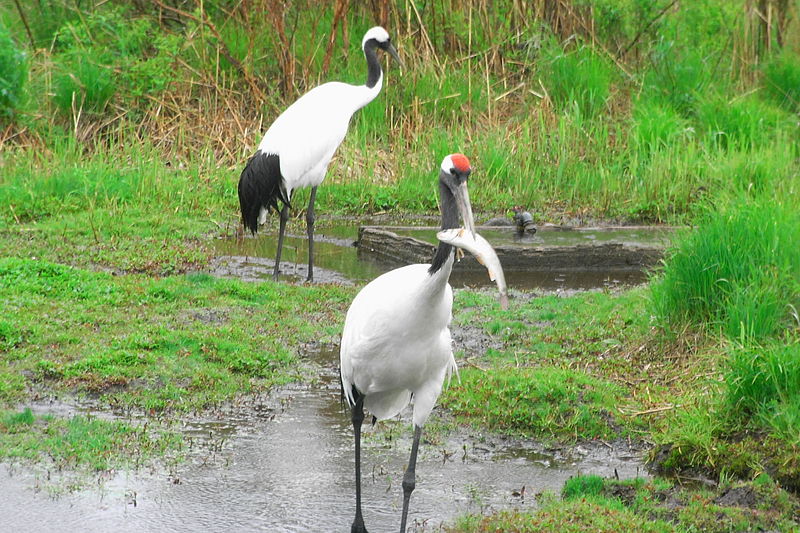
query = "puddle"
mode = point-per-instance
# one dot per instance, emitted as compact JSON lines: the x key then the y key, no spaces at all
{"x":339,"y":261}
{"x":289,"y":468}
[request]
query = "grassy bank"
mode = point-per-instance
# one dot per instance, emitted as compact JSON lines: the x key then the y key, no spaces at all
{"x":591,"y":113}
{"x":590,"y":503}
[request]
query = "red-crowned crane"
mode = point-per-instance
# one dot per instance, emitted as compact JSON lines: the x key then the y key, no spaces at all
{"x":298,"y":146}
{"x":396,"y":341}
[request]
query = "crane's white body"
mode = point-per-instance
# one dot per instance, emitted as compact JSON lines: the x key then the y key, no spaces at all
{"x":306,"y":135}
{"x":396,"y":341}
{"x":297,"y":148}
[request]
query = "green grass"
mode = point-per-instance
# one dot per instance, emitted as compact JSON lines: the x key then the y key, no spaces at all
{"x":738,"y":271}
{"x":582,"y":486}
{"x":763,"y":381}
{"x":13,"y":74}
{"x":594,"y":152}
{"x":782,"y":79}
{"x":657,"y":126}
{"x":558,"y":375}
{"x":146,"y":343}
{"x":563,"y":517}
{"x":82,"y":442}
{"x":591,"y":503}
{"x":546,"y":402}
{"x":578,"y":80}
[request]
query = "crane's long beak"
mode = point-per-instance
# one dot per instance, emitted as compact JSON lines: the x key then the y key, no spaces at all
{"x":464,"y":207}
{"x":392,"y":50}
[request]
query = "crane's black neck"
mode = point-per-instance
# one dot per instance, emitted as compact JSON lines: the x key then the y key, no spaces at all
{"x":449,"y":221}
{"x":373,"y":65}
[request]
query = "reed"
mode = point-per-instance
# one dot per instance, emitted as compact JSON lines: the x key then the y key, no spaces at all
{"x":628,"y":120}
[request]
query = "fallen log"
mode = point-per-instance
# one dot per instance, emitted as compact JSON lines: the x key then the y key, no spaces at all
{"x":397,"y":250}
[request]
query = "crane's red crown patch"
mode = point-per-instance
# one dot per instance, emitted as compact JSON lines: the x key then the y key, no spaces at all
{"x":461,"y":162}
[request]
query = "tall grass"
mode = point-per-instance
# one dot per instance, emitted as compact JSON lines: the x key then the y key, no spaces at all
{"x":132,"y":178}
{"x":763,"y":381}
{"x":109,"y":53}
{"x":739,"y":270}
{"x":13,"y":74}
{"x":677,"y":75}
{"x":578,"y":80}
{"x":657,"y":126}
{"x":782,"y":79}
{"x":559,"y":122}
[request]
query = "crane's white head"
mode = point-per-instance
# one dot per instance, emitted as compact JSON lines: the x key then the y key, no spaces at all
{"x":379,"y":38}
{"x":455,"y":171}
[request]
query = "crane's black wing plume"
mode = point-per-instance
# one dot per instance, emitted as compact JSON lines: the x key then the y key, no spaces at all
{"x":260,"y":185}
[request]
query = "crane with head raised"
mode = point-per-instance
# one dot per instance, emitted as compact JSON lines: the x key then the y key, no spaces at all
{"x":297,"y":148}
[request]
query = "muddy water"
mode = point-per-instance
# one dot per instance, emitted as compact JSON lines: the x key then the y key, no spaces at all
{"x":287,"y":466}
{"x":338,"y":261}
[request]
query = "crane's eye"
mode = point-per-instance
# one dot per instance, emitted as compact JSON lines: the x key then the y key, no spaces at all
{"x":453,"y":171}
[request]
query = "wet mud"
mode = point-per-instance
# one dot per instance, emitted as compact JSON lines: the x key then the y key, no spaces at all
{"x":285,"y":463}
{"x":251,"y":268}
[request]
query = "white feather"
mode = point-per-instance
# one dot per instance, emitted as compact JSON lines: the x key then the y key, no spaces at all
{"x":306,"y":135}
{"x":396,"y":341}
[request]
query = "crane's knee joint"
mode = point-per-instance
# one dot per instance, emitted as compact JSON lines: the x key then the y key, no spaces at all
{"x":409,"y":482}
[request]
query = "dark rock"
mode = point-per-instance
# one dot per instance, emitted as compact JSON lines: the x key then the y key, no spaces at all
{"x":743,"y":496}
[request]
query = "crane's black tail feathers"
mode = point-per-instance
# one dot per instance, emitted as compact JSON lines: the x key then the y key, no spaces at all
{"x":260,"y":185}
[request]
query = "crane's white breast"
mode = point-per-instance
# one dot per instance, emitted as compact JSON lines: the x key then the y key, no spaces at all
{"x":396,"y":334}
{"x":306,"y":135}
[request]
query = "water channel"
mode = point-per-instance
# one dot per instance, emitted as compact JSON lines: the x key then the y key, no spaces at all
{"x":285,"y":465}
{"x":339,"y":260}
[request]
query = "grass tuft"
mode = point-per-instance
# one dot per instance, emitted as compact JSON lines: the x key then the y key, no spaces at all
{"x":764,"y":382}
{"x":781,"y":78}
{"x":739,"y":271}
{"x":583,"y":486}
{"x":578,"y":80}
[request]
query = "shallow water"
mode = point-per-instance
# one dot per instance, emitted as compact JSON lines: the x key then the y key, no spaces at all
{"x":287,"y":466}
{"x":338,"y":260}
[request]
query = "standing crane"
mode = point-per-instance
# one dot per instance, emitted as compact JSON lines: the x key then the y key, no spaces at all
{"x":396,"y":343}
{"x":298,"y":146}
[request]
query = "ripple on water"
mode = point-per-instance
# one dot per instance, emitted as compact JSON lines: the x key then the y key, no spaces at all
{"x":295,"y":473}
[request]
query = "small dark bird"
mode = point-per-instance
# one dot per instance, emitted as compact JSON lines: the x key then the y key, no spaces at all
{"x":523,"y":220}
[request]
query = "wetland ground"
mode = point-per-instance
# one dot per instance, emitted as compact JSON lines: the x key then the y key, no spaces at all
{"x":123,"y":129}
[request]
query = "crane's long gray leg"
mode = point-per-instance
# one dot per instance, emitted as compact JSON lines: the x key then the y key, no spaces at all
{"x":310,"y":228}
{"x":409,"y":478}
{"x":358,"y":418}
{"x":281,"y":231}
